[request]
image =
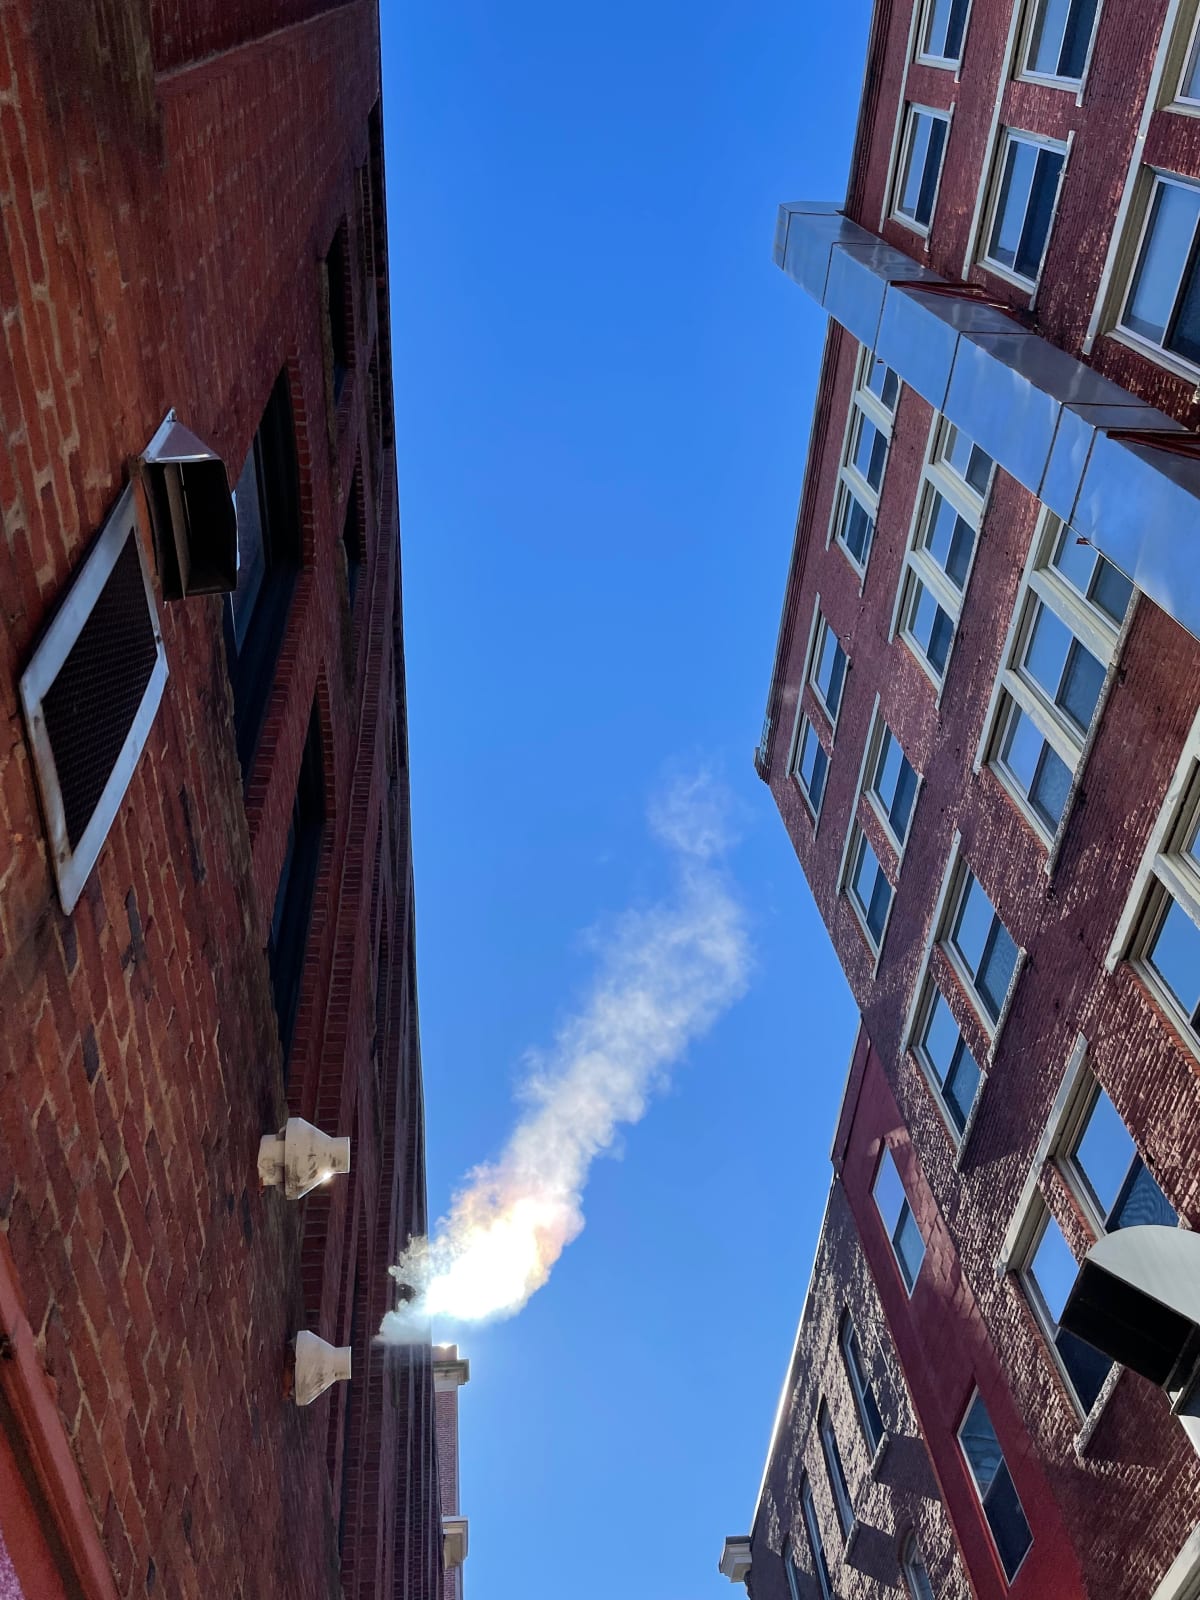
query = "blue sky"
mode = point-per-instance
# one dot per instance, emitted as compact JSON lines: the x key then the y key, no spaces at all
{"x":603,"y":393}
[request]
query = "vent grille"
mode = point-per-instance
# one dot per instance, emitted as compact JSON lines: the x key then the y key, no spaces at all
{"x":90,"y":694}
{"x":91,"y":705}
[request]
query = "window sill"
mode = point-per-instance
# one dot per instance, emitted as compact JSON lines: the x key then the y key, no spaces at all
{"x":881,"y":1450}
{"x":1100,"y":1405}
{"x":850,"y":1541}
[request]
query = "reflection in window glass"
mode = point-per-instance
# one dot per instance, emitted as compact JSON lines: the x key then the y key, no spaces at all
{"x":1069,"y":676}
{"x":1058,"y":45}
{"x":949,"y":538}
{"x":1093,"y":577}
{"x":1174,"y":953}
{"x":811,"y":764}
{"x":1105,"y":1156}
{"x":1163,"y":304}
{"x":829,"y":669}
{"x":930,"y":627}
{"x":895,"y":784}
{"x":951,"y":1062}
{"x":896,"y":1213}
{"x":1051,"y":1272}
{"x":922,"y":165}
{"x":984,"y":946}
{"x":944,"y":30}
{"x":994,"y":1484}
{"x":1025,"y":206}
{"x":871,"y":890}
{"x":1035,"y":767}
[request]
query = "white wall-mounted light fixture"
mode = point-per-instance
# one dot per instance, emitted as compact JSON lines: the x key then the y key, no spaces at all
{"x":315,"y":1365}
{"x":299,"y":1157}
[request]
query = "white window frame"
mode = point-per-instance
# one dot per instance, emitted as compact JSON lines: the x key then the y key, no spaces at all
{"x":1164,"y":875}
{"x":952,"y":63}
{"x":1052,"y":80}
{"x":1184,"y":35}
{"x":864,"y":404}
{"x":816,"y":1544}
{"x":920,"y":567}
{"x":1098,"y":634}
{"x":995,"y":181}
{"x":912,"y":110}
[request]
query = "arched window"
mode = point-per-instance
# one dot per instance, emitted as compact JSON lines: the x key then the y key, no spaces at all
{"x":916,"y":1575}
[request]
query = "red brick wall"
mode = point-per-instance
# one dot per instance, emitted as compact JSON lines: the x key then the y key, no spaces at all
{"x":167,"y":204}
{"x":894,"y":1494}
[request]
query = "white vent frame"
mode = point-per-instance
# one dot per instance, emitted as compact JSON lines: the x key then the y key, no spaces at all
{"x":72,"y":867}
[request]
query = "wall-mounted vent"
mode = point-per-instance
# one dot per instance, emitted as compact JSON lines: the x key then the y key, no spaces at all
{"x":90,"y":694}
{"x":191,"y":512}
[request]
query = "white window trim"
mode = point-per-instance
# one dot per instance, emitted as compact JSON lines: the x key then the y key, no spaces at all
{"x":1093,"y":629}
{"x":1155,"y":873}
{"x":946,"y":114}
{"x":943,"y":63}
{"x":966,"y":1461}
{"x":1146,"y":182}
{"x":994,"y":180}
{"x":1025,"y":74}
{"x":918,"y":565}
{"x":992,"y":1030}
{"x":864,"y":402}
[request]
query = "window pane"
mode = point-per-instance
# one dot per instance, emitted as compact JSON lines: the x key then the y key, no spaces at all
{"x":918,"y":150}
{"x":1040,"y":213}
{"x":973,"y":925}
{"x":1086,"y":1366}
{"x":252,"y":553}
{"x":860,"y":1383}
{"x":1104,"y":1153}
{"x":1078,"y":35}
{"x":812,"y":764}
{"x":910,"y":1247}
{"x":1175,"y":956}
{"x":836,"y":1472}
{"x":871,"y":890}
{"x":1007,"y":1521}
{"x":954,"y":29}
{"x":949,"y":539}
{"x":793,"y":1579}
{"x":999,"y":965}
{"x":980,"y":1446}
{"x":870,"y":452}
{"x":1111,"y":590}
{"x":915,"y":1574}
{"x":1090,"y":575}
{"x":1046,"y":651}
{"x":895,"y":784}
{"x":1046,"y":42}
{"x":1020,"y":160}
{"x":964,"y":456}
{"x":961,"y":1086}
{"x":857,"y":528}
{"x":1184,"y":337}
{"x":882,"y":381}
{"x":931,"y":627}
{"x":1164,"y":254}
{"x":935,"y":33}
{"x":831,"y":669}
{"x":952,"y":1063}
{"x":1141,"y":1201}
{"x":1189,"y":88}
{"x":889,"y":1192}
{"x":1036,"y":768}
{"x":815,"y":1543}
{"x":1053,"y":1269}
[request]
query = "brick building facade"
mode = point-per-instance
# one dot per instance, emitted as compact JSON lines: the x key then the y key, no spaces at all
{"x":192,"y":215}
{"x":450,"y":1372}
{"x":983,"y":738}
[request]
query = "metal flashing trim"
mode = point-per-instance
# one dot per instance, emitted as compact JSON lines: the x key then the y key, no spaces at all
{"x":83,"y":763}
{"x":1066,"y":433}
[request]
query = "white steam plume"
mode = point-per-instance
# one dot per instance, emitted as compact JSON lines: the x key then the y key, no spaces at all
{"x":665,"y":976}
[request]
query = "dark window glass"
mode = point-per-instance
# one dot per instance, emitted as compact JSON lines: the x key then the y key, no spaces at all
{"x":995,"y":1487}
{"x":953,"y":1065}
{"x":862,"y":1387}
{"x":857,"y":528}
{"x":267,"y":498}
{"x":837,"y":1473}
{"x":1036,"y":768}
{"x":297,"y":882}
{"x":1106,"y":1157}
{"x":895,"y":783}
{"x":815,"y":1543}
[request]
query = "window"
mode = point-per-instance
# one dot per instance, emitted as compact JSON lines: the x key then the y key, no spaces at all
{"x":1188,"y":93}
{"x":1027,"y":188}
{"x":864,"y":458}
{"x":834,"y":1469}
{"x":341,"y":308}
{"x":892,"y":787}
{"x":827,"y":672}
{"x":942,"y":35}
{"x":1103,"y":1159}
{"x":947,"y":1060}
{"x":809,"y":764}
{"x":789,"y":1567}
{"x":1048,"y":1277}
{"x":981,"y":947}
{"x":922,"y":148}
{"x":1058,"y":38}
{"x":816,"y":1547}
{"x":938,"y":564}
{"x":1064,"y":640}
{"x":267,"y":498}
{"x":994,"y":1486}
{"x":896,"y":1214}
{"x":861,"y":1387}
{"x":1162,"y":305}
{"x":1165,"y":944}
{"x":916,"y":1575}
{"x":297,"y":881}
{"x":870,"y":891}
{"x":352,"y":537}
